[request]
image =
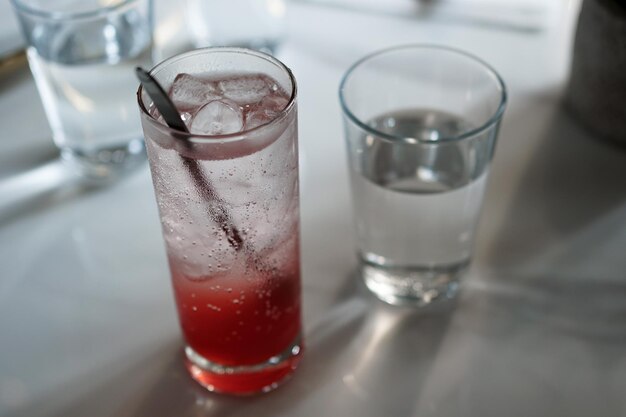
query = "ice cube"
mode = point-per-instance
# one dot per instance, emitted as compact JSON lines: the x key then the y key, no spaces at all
{"x":246,"y":89}
{"x":189,"y":92}
{"x":186,"y":118}
{"x":153,"y":111}
{"x":265,"y":111}
{"x":218,"y":117}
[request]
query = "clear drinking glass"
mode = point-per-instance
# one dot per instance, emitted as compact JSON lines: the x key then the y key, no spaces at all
{"x":255,"y":24}
{"x":82,"y":54}
{"x":421,"y":124}
{"x":229,"y":208}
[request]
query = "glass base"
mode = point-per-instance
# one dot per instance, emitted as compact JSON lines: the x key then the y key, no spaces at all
{"x":247,"y":379}
{"x":415,"y":285}
{"x":106,"y":164}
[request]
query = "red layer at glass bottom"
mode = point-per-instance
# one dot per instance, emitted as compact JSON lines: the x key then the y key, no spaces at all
{"x":246,"y":382}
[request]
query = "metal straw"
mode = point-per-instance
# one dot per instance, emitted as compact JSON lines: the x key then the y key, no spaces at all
{"x":168,"y":110}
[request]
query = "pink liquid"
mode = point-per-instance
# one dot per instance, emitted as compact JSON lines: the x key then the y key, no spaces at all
{"x":240,"y":320}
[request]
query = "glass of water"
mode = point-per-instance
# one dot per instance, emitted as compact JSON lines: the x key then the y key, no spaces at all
{"x":421,"y":124}
{"x":82,"y":54}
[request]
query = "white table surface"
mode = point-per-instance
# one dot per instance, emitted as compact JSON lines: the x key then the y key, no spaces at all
{"x":87,"y":320}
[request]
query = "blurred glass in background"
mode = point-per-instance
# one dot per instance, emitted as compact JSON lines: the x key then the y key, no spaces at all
{"x":255,"y":24}
{"x":82,"y":53}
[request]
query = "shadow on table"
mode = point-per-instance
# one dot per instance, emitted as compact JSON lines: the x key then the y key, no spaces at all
{"x":487,"y":354}
{"x":19,"y":154}
{"x":504,"y":349}
{"x":355,"y":351}
{"x":569,"y":205}
{"x":38,"y":189}
{"x":529,"y":346}
{"x":561,"y":253}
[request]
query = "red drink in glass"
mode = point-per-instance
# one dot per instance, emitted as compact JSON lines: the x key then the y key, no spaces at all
{"x":232,"y":237}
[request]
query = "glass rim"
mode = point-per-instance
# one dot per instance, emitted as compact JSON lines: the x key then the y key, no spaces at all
{"x":22,"y":7}
{"x":229,"y":137}
{"x":492,"y":120}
